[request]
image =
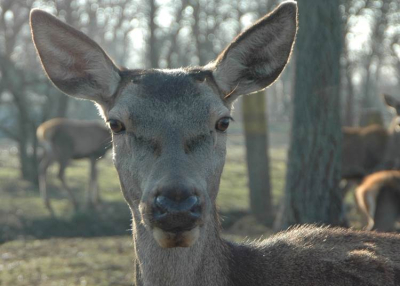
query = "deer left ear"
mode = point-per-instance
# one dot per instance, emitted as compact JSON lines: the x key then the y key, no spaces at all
{"x":73,"y":62}
{"x":256,"y":58}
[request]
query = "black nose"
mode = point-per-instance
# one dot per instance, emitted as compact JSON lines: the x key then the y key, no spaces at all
{"x":176,"y":209}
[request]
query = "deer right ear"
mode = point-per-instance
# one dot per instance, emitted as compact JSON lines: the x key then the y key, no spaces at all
{"x":73,"y":62}
{"x":256,"y":58}
{"x":390,"y":101}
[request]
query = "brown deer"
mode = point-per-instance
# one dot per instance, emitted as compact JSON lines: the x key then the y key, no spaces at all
{"x":363,"y":149}
{"x":368,"y":149}
{"x":169,"y":143}
{"x":378,"y":198}
{"x":64,"y":140}
{"x":391,"y":160}
{"x":378,"y":195}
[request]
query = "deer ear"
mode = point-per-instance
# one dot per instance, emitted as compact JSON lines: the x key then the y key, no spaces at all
{"x":256,"y":57}
{"x":72,"y":61}
{"x":390,"y":100}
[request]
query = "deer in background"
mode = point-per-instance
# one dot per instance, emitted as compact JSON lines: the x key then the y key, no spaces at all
{"x":64,"y":140}
{"x":368,"y":149}
{"x":363,"y":149}
{"x":391,"y":160}
{"x":169,"y":143}
{"x":378,"y":196}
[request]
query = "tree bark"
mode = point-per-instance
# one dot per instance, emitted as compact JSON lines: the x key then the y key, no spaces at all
{"x":153,"y":56}
{"x":349,"y":106}
{"x":256,"y":137}
{"x":62,"y":106}
{"x":313,"y":175}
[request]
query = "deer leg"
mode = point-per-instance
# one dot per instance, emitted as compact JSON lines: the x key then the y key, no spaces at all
{"x":93,"y":196}
{"x":370,"y":212}
{"x":387,"y":210}
{"x":61,"y":176}
{"x":43,"y":166}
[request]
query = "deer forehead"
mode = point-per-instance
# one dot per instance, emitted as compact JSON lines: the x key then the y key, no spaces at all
{"x":171,"y":99}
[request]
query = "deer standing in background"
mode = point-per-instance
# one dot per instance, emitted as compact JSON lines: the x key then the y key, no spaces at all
{"x":378,"y":198}
{"x":391,"y":160}
{"x":369,"y":149}
{"x":169,"y":139}
{"x":363,"y":149}
{"x":64,"y":140}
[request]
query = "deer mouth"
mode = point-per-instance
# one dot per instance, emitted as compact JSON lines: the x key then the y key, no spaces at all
{"x":176,"y":229}
{"x":171,"y":239}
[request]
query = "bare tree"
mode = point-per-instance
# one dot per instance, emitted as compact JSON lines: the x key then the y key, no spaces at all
{"x":17,"y":82}
{"x":256,"y":137}
{"x":313,"y":175}
{"x":26,"y":99}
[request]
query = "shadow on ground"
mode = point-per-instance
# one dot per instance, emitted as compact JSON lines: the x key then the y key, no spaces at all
{"x":113,"y":218}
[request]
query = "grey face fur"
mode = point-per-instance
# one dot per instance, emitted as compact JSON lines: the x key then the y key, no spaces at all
{"x":170,"y":139}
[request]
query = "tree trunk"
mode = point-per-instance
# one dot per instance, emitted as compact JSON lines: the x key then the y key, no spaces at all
{"x":349,"y":107}
{"x":313,"y":175}
{"x":255,"y":128}
{"x":153,"y":56}
{"x":28,"y":162}
{"x":367,"y":100}
{"x":62,"y":106}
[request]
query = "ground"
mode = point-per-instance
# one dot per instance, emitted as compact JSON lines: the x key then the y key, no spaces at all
{"x":94,"y":247}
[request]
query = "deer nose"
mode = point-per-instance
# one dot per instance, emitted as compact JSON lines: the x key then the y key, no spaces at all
{"x":165,"y":204}
{"x":176,"y":210}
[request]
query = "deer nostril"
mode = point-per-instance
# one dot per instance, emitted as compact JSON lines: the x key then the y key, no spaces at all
{"x":196,"y":208}
{"x":161,"y":204}
{"x":190,"y":203}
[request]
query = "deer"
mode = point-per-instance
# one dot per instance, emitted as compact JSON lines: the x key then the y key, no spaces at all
{"x":368,"y":149}
{"x":391,"y":159}
{"x":64,"y":140}
{"x":363,"y":148}
{"x":378,"y":198}
{"x":169,"y":129}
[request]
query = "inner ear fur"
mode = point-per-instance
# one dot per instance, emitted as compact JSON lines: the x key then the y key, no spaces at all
{"x":73,"y":62}
{"x":256,"y":57}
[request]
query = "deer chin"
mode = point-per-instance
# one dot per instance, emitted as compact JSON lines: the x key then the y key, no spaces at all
{"x":167,"y":239}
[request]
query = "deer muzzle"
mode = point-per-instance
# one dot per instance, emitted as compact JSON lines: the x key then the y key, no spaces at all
{"x":176,"y":214}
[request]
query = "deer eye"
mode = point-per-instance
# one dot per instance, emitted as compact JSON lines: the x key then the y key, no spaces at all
{"x":223,"y":124}
{"x":116,"y":126}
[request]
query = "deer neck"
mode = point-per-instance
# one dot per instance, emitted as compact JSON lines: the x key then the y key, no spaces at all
{"x":200,"y":264}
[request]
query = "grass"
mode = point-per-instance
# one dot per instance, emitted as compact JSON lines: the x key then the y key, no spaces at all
{"x":74,"y":261}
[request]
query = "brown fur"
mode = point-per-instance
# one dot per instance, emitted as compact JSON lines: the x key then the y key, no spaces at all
{"x":368,"y":192}
{"x":363,"y":149}
{"x":64,"y":140}
{"x":368,"y":149}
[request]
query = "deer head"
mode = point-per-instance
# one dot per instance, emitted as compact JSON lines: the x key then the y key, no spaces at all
{"x":169,"y":126}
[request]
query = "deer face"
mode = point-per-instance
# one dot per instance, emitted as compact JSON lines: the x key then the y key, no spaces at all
{"x":169,"y":126}
{"x":171,"y":151}
{"x":394,"y":104}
